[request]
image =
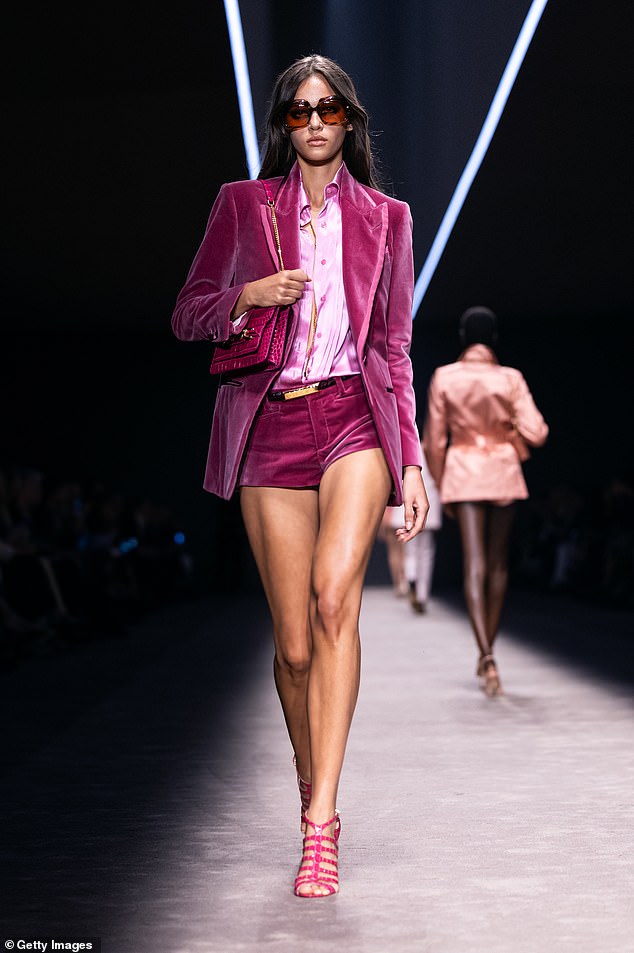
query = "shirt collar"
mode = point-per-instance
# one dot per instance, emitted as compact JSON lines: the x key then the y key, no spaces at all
{"x":330,"y":192}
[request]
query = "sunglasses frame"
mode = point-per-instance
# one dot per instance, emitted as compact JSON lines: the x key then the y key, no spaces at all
{"x":322,"y":104}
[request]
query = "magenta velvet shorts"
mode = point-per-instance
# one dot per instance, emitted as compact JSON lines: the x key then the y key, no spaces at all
{"x":292,"y":443}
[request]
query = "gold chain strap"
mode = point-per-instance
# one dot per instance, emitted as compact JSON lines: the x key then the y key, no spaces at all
{"x":271,"y":205}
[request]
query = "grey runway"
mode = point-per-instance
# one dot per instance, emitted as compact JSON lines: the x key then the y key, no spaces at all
{"x":160,"y":810}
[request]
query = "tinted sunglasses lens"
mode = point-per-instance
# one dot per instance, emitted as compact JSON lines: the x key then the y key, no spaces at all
{"x":297,"y":116}
{"x":332,"y":112}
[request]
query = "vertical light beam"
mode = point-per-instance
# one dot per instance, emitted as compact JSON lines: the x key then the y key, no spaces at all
{"x":243,"y":86}
{"x":479,"y":151}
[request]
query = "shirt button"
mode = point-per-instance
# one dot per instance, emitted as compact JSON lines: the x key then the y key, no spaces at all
{"x":323,"y":261}
{"x":323,"y":224}
{"x":323,"y":298}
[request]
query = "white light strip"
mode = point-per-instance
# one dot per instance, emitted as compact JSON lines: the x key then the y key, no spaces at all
{"x":479,"y":151}
{"x":243,"y":85}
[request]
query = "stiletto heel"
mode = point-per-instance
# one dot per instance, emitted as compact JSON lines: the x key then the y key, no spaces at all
{"x":319,"y":849}
{"x":305,"y":794}
{"x":492,"y":685}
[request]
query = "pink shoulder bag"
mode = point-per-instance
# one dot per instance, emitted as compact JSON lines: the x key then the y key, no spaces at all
{"x":259,"y":346}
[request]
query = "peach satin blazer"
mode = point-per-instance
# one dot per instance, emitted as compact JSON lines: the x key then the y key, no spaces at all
{"x":475,"y":410}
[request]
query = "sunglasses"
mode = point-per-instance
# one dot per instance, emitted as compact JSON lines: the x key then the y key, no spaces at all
{"x":332,"y":110}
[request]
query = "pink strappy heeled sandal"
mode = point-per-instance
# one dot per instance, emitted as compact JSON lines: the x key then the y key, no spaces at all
{"x":305,"y":794}
{"x":319,"y":849}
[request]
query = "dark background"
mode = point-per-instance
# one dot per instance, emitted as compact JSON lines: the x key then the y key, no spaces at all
{"x":122,"y":122}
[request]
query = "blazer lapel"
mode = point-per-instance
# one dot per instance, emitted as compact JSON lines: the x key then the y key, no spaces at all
{"x":364,"y":232}
{"x":286,"y":196}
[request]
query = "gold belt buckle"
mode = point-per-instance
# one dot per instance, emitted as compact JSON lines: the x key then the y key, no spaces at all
{"x":301,"y":391}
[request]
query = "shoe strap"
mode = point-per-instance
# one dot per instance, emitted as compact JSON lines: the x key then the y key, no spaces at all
{"x":319,"y":828}
{"x":305,"y":791}
{"x":317,"y":851}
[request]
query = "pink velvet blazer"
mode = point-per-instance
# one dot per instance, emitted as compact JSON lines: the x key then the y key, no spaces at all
{"x":239,"y":246}
{"x":479,"y":415}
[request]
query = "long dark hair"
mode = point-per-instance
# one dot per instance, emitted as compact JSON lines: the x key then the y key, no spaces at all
{"x":278,"y":152}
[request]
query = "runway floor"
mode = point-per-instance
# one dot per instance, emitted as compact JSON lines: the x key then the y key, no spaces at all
{"x":149,"y":797}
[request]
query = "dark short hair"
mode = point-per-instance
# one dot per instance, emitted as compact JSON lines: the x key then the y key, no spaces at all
{"x":478,"y":325}
{"x":278,"y":153}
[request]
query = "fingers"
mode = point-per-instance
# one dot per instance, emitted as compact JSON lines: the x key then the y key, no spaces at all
{"x":416,"y":504}
{"x":416,"y":511}
{"x":292,"y":283}
{"x":282,"y":288}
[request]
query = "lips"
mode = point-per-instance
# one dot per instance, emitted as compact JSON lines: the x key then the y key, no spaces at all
{"x":316,"y":141}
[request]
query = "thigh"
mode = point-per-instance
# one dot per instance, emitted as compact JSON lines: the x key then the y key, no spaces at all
{"x":282,"y":526}
{"x":352,"y":498}
{"x":471,"y":519}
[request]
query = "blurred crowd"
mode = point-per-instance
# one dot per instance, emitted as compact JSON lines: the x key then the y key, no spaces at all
{"x":580,"y":541}
{"x":80,"y":562}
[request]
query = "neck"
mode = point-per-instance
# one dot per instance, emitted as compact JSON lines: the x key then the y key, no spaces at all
{"x":317,"y":177}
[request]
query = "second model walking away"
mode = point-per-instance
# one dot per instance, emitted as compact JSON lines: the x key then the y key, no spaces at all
{"x":480,"y":420}
{"x":318,"y":448}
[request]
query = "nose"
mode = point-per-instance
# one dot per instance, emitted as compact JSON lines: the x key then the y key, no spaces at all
{"x":315,"y":120}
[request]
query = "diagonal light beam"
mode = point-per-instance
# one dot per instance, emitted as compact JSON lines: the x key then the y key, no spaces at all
{"x":479,"y":151}
{"x":243,"y":86}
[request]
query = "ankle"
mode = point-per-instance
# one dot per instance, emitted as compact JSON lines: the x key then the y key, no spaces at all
{"x":315,"y":815}
{"x":303,"y":774}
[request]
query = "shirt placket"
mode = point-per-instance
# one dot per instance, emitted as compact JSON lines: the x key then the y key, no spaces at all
{"x":312,"y":329}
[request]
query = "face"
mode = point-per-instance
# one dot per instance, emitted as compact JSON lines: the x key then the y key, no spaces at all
{"x":318,"y":143}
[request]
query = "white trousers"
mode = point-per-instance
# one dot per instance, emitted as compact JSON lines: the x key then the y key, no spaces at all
{"x":420,"y":554}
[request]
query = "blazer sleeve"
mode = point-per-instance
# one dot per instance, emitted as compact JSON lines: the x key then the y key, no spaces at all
{"x":399,"y":337}
{"x":435,"y":432}
{"x":527,"y":418}
{"x":204,"y":304}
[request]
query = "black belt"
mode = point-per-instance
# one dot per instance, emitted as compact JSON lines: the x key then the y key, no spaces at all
{"x":306,"y":389}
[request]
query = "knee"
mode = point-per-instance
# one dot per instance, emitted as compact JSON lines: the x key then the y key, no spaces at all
{"x":498,"y":577}
{"x":294,"y":660}
{"x":330,"y":611}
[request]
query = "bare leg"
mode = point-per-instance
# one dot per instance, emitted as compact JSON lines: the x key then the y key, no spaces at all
{"x":282,"y":526}
{"x":352,"y":496}
{"x":472,"y":522}
{"x":500,"y":523}
{"x":312,"y":550}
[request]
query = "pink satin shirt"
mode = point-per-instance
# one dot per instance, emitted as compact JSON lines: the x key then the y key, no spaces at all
{"x":327,"y":349}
